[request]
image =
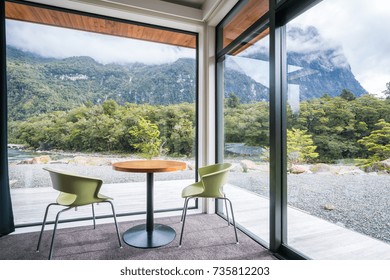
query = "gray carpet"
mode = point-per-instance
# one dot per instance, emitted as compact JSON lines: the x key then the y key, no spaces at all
{"x":206,"y":237}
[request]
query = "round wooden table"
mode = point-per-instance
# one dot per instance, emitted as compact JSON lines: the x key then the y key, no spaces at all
{"x":149,"y":235}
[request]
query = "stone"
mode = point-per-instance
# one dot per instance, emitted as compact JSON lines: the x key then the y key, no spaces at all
{"x":350,"y":170}
{"x":321,"y":168}
{"x":385,"y":163}
{"x":95,"y":161}
{"x":41,"y":160}
{"x":298,"y":169}
{"x":329,"y":207}
{"x":248,"y":165}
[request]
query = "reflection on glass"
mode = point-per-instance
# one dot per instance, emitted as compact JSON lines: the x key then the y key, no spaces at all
{"x":338,"y":133}
{"x":246,"y":135}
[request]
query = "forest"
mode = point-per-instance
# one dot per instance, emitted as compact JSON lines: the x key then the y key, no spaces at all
{"x":326,"y":129}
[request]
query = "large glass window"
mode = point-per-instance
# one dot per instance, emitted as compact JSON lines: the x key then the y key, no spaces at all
{"x":246,"y":136}
{"x":338,"y":131}
{"x":82,"y":100}
{"x":243,"y":113}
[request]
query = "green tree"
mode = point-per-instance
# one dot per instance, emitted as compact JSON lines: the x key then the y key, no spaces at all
{"x":347,"y":95}
{"x":110,"y":107}
{"x":182,"y":137}
{"x":300,"y":146}
{"x":377,"y":144}
{"x":146,"y":138}
{"x":387,"y":90}
{"x":232,"y":101}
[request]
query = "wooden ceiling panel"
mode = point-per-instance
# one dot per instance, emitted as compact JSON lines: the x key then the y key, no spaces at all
{"x":248,"y":15}
{"x":98,"y":25}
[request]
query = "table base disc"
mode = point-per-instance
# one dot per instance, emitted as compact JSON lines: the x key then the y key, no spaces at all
{"x":138,"y":236}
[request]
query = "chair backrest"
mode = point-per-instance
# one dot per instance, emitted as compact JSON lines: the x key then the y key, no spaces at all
{"x":85,"y":189}
{"x":214,"y":177}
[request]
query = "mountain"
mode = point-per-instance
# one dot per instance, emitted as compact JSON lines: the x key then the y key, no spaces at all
{"x":38,"y":85}
{"x":315,"y":66}
{"x":320,"y":69}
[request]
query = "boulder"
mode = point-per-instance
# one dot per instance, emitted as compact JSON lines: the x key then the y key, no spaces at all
{"x":321,"y":168}
{"x":299,"y":169}
{"x":26,"y":161}
{"x":248,"y":165}
{"x":41,"y":160}
{"x":350,"y":170}
{"x":97,"y":161}
{"x":385,"y":163}
{"x":329,"y":207}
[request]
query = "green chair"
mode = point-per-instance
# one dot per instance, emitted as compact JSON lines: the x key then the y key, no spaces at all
{"x":212,"y":180}
{"x":75,"y":191}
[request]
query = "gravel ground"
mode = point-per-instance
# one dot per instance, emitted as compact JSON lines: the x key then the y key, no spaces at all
{"x":358,"y":202}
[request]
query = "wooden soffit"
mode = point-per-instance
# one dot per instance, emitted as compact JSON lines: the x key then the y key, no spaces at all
{"x":58,"y":18}
{"x":248,"y":15}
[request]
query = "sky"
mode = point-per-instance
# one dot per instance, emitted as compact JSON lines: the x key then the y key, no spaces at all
{"x":58,"y":42}
{"x":360,"y":27}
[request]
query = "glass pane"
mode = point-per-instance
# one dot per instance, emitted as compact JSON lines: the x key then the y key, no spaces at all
{"x":246,"y":135}
{"x":80,"y":101}
{"x":241,"y":21}
{"x":338,"y":131}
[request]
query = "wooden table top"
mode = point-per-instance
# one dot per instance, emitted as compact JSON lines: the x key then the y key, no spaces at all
{"x":149,"y":166}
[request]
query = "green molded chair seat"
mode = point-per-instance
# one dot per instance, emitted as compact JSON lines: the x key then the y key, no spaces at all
{"x":212,"y":180}
{"x":75,"y":191}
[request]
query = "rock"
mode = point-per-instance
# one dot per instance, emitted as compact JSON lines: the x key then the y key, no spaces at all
{"x":321,"y":168}
{"x":60,"y":161}
{"x":41,"y":160}
{"x":298,"y":169}
{"x":26,"y":161}
{"x":350,"y":170}
{"x":237,"y":168}
{"x":329,"y":207}
{"x":12,"y":183}
{"x":385,"y":163}
{"x":81,"y":160}
{"x":248,"y":165}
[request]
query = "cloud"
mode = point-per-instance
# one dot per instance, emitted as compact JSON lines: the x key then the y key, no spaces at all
{"x":361,"y":28}
{"x":59,"y":42}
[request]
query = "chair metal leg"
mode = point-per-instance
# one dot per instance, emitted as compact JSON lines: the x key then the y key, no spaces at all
{"x":183,"y":219}
{"x":182,"y":213}
{"x":93,"y":216}
{"x":54,"y":231}
{"x":43,"y":224}
{"x":234,"y":222}
{"x":116,"y":223}
{"x":227,"y":212}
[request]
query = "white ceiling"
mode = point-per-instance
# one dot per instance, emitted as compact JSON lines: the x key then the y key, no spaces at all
{"x":197,"y":10}
{"x":197,"y":4}
{"x":181,"y":14}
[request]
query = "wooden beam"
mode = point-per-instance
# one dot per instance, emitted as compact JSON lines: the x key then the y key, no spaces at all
{"x":75,"y":21}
